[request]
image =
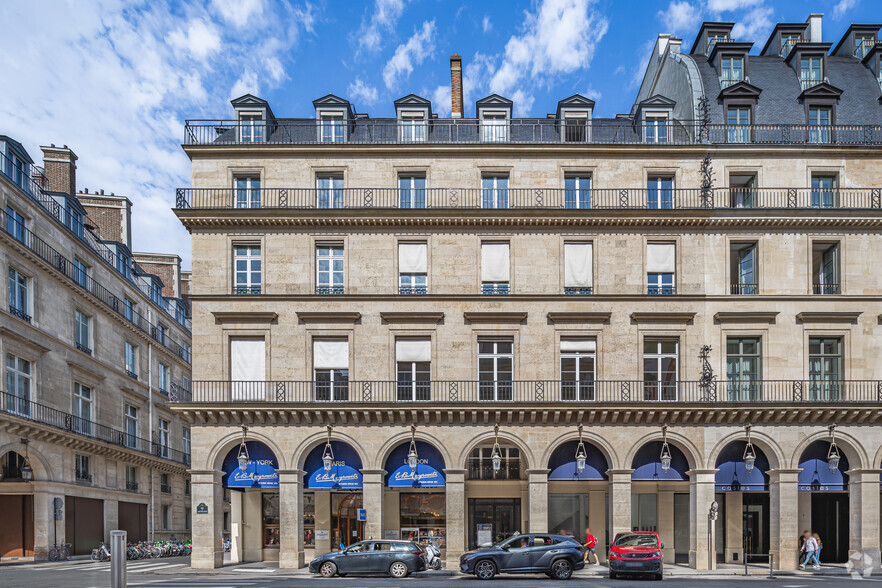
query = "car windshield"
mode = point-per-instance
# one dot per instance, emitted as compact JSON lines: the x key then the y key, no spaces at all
{"x":515,"y":542}
{"x":357,"y":548}
{"x":636,"y":540}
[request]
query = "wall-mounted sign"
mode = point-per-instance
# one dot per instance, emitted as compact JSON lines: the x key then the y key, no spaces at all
{"x":362,"y":514}
{"x":345,"y":470}
{"x":322,"y":534}
{"x":202,"y":508}
{"x":429,"y":472}
{"x":260,"y":472}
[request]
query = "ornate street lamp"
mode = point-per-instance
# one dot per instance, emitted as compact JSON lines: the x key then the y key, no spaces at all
{"x":496,"y":455}
{"x":243,"y":457}
{"x":580,"y":453}
{"x":412,"y":455}
{"x":833,"y":456}
{"x":27,"y":473}
{"x":328,"y":455}
{"x":749,"y":456}
{"x":665,"y":456}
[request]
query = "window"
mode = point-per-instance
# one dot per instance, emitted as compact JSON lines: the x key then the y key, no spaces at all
{"x":495,"y":268}
{"x":82,"y":471}
{"x":824,"y":192}
{"x":480,"y":464}
{"x":578,"y":271}
{"x":164,"y":485}
{"x":825,"y":268}
{"x":825,"y":368}
{"x":329,"y":192}
{"x":330,"y":359}
{"x":329,"y":269}
{"x":82,"y":335}
{"x":186,"y":487}
{"x":132,"y":478}
{"x":331,"y":128}
{"x":495,"y":369}
{"x":131,"y":360}
{"x":131,"y":424}
{"x":743,"y":371}
{"x":82,"y":422}
{"x":80,"y":273}
{"x":738,"y":124}
{"x":270,"y":509}
{"x":16,"y":225}
{"x":187,"y":518}
{"x":247,"y":368}
{"x":123,"y":263}
{"x":810,"y":71}
{"x":251,"y":127}
{"x":494,"y":191}
{"x":660,"y":268}
{"x":819,"y":124}
{"x":712,"y":40}
{"x":412,"y":266}
{"x":129,"y":310}
{"x":185,"y":444}
{"x":412,"y":191}
{"x":247,"y":192}
{"x":309,"y":519}
{"x":788,"y":42}
{"x":159,"y":333}
{"x":656,"y":127}
{"x":660,"y":192}
{"x":742,"y":191}
{"x":19,"y":295}
{"x":156,"y":293}
{"x":494,"y":127}
{"x":166,"y":517}
{"x":19,"y":171}
{"x":413,"y":127}
{"x":577,"y":192}
{"x":246,"y":260}
{"x":576,"y":126}
{"x":413,"y":362}
{"x":185,"y":352}
{"x":577,"y":359}
{"x":742,"y":258}
{"x":163,"y":378}
{"x":863,"y":44}
{"x":163,"y":438}
{"x":18,"y":385}
{"x":731,"y":71}
{"x":660,"y":369}
{"x":73,"y":219}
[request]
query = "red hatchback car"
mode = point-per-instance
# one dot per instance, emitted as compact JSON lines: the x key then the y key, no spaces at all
{"x":639,"y":552}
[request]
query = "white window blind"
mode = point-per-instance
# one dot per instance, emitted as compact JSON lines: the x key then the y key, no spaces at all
{"x":412,"y":258}
{"x":330,"y":354}
{"x":413,"y":350}
{"x":577,"y":265}
{"x":247,"y":360}
{"x":494,"y":262}
{"x":578,"y":345}
{"x":660,"y":258}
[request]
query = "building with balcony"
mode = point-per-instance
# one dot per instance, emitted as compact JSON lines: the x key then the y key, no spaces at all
{"x":453,"y":329}
{"x":91,"y":341}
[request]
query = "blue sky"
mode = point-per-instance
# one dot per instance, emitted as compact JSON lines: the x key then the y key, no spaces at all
{"x":115,"y":80}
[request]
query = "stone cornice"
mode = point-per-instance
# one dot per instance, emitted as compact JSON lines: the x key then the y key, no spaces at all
{"x":495,"y":317}
{"x":329,"y":317}
{"x":828,"y":317}
{"x":662,"y":317}
{"x":245,"y":317}
{"x":746,"y":317}
{"x":521,"y":298}
{"x":23,"y":340}
{"x":579,"y":317}
{"x":412,"y":317}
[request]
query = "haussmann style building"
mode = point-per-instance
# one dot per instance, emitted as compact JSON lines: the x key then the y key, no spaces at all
{"x":687,"y":293}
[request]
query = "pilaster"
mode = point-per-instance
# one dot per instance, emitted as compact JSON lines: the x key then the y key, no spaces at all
{"x":456,"y":516}
{"x":537,"y":484}
{"x":291,"y":554}
{"x":784,"y":521}
{"x":620,"y":500}
{"x":207,"y":529}
{"x":372,"y":494}
{"x":701,"y":496}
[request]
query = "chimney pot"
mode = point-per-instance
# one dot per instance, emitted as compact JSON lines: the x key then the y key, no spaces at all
{"x":102,"y":191}
{"x":456,"y":99}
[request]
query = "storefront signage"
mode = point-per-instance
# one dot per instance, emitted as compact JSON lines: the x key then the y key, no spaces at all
{"x":260,"y":472}
{"x":322,"y":534}
{"x":345,"y":469}
{"x":816,"y":475}
{"x":563,"y":463}
{"x":485,"y":534}
{"x":732,"y":475}
{"x":362,"y":514}
{"x":202,"y":508}
{"x":429,"y":472}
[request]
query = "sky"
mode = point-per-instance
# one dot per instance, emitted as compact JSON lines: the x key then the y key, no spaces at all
{"x":116,"y":80}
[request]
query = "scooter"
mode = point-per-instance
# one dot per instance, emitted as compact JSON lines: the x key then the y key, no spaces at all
{"x":433,"y":556}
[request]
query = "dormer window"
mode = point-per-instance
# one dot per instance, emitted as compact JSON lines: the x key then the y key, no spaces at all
{"x":819,"y":121}
{"x":331,"y":127}
{"x":731,"y":70}
{"x":788,"y":42}
{"x":713,"y":39}
{"x":574,"y":117}
{"x":656,"y":127}
{"x":251,"y":127}
{"x":413,"y":127}
{"x":575,"y":127}
{"x":862,"y":44}
{"x":810,"y":71}
{"x":494,"y":127}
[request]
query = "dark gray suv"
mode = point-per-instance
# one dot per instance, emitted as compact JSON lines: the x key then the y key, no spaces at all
{"x":557,"y":556}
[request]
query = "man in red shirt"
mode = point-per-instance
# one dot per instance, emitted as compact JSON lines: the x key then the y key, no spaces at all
{"x":591,"y":547}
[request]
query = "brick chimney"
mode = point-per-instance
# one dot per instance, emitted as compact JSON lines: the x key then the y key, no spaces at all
{"x":111,"y":215}
{"x":456,"y":86}
{"x":59,"y":169}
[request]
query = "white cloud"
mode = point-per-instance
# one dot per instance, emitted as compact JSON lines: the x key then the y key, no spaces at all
{"x":680,"y":16}
{"x":238,"y":12}
{"x":486,"y":25}
{"x":362,"y":91}
{"x":441,"y":100}
{"x":591,"y":92}
{"x":728,"y":5}
{"x":411,"y":53}
{"x":842,"y":7}
{"x":383,"y":19}
{"x":201,"y":39}
{"x":754,"y":25}
{"x":246,"y":84}
{"x":275,"y":69}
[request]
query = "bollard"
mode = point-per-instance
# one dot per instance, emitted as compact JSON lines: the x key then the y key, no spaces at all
{"x":118,"y":559}
{"x":771,"y":565}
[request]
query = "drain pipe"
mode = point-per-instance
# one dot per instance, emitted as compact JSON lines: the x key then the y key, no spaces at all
{"x":151,"y":525}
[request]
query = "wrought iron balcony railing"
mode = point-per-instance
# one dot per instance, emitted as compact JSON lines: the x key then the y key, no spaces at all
{"x":743,"y":289}
{"x":165,"y":488}
{"x":46,"y":415}
{"x":132,"y":486}
{"x":538,"y":391}
{"x":542,"y":198}
{"x":516,"y":131}
{"x":826,"y":289}
{"x":19,"y":313}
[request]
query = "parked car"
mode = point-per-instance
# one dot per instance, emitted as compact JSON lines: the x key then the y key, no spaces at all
{"x":636,"y":553}
{"x":557,"y":556}
{"x":394,"y":558}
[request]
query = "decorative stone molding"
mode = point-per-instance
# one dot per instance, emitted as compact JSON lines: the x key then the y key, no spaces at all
{"x":746,"y":317}
{"x":329,"y":317}
{"x":23,"y":340}
{"x":495,"y":317}
{"x":412,"y":317}
{"x":579,"y":317}
{"x":662,"y":317}
{"x":828,"y":317}
{"x":245,"y":317}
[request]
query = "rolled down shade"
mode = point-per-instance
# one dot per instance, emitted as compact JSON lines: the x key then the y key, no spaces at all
{"x":660,"y":258}
{"x":577,"y":265}
{"x":330,"y":354}
{"x":247,"y":360}
{"x":578,"y":345}
{"x":413,"y":350}
{"x":494,"y":262}
{"x":412,"y":258}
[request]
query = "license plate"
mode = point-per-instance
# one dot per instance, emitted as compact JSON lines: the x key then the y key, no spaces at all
{"x":633,"y":564}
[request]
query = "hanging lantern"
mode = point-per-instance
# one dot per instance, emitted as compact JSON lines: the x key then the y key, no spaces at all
{"x":665,"y":457}
{"x":749,"y":456}
{"x":833,"y":456}
{"x":580,"y":453}
{"x":243,"y":457}
{"x":496,"y":456}
{"x":27,"y":473}
{"x":412,"y":456}
{"x":328,"y":455}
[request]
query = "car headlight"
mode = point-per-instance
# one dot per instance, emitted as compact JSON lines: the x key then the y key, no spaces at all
{"x":655,"y":554}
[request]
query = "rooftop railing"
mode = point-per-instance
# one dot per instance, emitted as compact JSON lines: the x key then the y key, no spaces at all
{"x":46,"y":415}
{"x":550,"y":198}
{"x":521,"y":131}
{"x":333,"y":394}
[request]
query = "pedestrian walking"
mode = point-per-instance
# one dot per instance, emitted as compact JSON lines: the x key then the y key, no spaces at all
{"x":809,"y":547}
{"x":590,"y":547}
{"x":817,"y":557}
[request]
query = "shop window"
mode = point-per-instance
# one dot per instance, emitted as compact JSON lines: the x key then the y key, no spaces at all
{"x":481,"y":464}
{"x":644,"y":512}
{"x":270,"y":511}
{"x":308,"y":519}
{"x":424,"y":518}
{"x":568,"y":515}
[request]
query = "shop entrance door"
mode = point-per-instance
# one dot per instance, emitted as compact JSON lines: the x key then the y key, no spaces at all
{"x":17,"y":530}
{"x":755,"y":526}
{"x":503,"y":515}
{"x":830,"y":522}
{"x":346,"y":529}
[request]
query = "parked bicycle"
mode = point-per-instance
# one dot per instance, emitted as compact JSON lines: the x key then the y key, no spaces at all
{"x":60,"y":551}
{"x":101,"y":553}
{"x":154,"y":549}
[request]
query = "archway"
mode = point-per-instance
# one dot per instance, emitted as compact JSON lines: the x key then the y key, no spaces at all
{"x":332,"y":497}
{"x":745,"y":491}
{"x":577,"y":499}
{"x":17,"y":537}
{"x":418,"y":492}
{"x":824,"y":500}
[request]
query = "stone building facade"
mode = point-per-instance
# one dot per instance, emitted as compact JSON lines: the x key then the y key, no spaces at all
{"x":90,"y":348}
{"x":690,"y":296}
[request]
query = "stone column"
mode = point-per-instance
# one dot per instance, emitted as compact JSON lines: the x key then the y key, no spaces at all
{"x":784,"y":520}
{"x":537,"y":486}
{"x":620,"y":500}
{"x":665,"y":506}
{"x":111,"y":518}
{"x":291,"y":522}
{"x":205,"y":488}
{"x":733,"y":527}
{"x":372,"y":497}
{"x":701,"y":495}
{"x":456,"y":516}
{"x":863,"y":500}
{"x":597,"y":519}
{"x":44,"y":522}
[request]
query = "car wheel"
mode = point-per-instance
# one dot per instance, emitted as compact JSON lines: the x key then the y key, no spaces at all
{"x":562,"y":569}
{"x":612,"y":575}
{"x":398,"y":570}
{"x":485,"y":570}
{"x":328,"y":569}
{"x":658,"y":577}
